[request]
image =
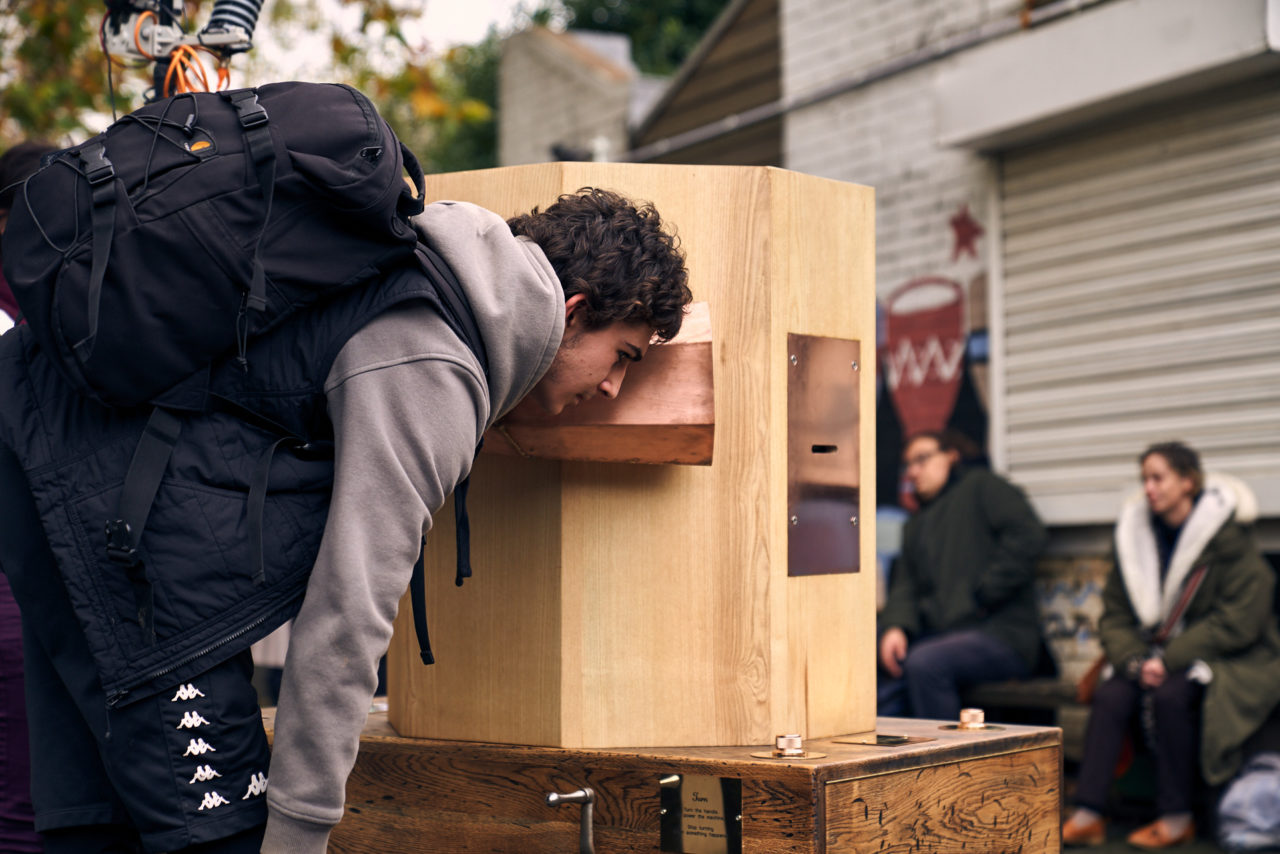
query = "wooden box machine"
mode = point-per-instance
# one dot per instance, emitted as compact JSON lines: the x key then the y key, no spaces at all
{"x":652,"y":603}
{"x":671,"y":626}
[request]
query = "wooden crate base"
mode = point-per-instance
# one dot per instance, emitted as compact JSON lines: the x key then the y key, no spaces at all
{"x":998,"y":790}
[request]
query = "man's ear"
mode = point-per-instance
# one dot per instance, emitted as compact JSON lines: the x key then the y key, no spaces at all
{"x":572,"y":306}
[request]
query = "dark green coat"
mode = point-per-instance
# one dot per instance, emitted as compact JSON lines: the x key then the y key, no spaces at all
{"x":968,"y":561}
{"x":1230,"y":625}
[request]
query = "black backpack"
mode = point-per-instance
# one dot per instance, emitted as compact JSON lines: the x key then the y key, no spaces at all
{"x":199,"y":221}
{"x":158,"y":248}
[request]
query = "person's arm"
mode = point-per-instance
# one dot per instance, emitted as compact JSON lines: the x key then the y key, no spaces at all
{"x":405,"y":435}
{"x":1236,"y":620}
{"x":899,"y":618}
{"x":1118,"y":626}
{"x":900,"y":609}
{"x":1019,"y":539}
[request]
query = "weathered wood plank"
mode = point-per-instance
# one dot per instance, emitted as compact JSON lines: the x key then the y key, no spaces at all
{"x":995,"y":790}
{"x":999,"y":804}
{"x":468,"y":797}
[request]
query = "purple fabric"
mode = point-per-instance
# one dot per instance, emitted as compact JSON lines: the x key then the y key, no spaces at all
{"x":9,"y":306}
{"x":17,"y":820}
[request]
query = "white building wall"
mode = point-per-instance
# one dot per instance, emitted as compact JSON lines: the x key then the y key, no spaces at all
{"x":905,"y":68}
{"x":827,"y":40}
{"x":549,"y":93}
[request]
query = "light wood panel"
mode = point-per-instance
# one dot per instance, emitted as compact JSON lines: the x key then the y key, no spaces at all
{"x":825,"y":267}
{"x":659,"y":611}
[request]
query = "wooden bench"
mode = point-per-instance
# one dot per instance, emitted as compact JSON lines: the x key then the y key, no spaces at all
{"x":1068,"y":592}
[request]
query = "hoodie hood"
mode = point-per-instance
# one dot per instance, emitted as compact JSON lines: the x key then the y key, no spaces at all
{"x":514,"y":293}
{"x":1224,"y":497}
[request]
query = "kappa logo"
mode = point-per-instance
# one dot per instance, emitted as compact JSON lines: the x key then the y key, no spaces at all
{"x":199,"y":747}
{"x":187,"y":692}
{"x":212,"y":800}
{"x":257,"y":785}
{"x":191,"y":720}
{"x":204,"y":773}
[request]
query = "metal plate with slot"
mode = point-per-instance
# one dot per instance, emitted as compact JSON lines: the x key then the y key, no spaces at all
{"x":822,"y":455}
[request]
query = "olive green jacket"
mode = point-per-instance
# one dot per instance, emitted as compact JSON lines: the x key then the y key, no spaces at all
{"x":968,"y":561}
{"x":1229,"y":625}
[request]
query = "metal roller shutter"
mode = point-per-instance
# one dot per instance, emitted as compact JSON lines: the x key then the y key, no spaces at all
{"x":1141,"y":301}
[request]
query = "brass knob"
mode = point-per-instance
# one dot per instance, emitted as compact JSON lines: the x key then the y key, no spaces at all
{"x":788,"y":745}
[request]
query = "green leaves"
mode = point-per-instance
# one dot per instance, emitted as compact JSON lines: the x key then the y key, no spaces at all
{"x":663,"y":32}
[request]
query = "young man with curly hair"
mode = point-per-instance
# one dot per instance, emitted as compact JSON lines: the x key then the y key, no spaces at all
{"x":564,"y":300}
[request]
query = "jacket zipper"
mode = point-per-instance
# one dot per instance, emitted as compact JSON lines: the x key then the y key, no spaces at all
{"x":114,"y":698}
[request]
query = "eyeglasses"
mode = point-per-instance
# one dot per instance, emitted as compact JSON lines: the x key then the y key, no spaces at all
{"x":920,"y":459}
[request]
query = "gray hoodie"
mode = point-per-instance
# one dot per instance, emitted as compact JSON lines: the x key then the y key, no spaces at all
{"x":408,"y":403}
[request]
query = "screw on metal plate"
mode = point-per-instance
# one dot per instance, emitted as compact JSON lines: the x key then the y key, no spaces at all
{"x":853,"y":365}
{"x":853,"y":520}
{"x":586,"y":797}
{"x":795,"y":520}
{"x":794,"y":360}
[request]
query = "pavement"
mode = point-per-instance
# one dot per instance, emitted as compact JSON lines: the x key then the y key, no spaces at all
{"x":1132,"y":806}
{"x":1118,"y":830}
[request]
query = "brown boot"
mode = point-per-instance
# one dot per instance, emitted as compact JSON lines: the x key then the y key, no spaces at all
{"x":1156,"y":836}
{"x":1079,"y":833}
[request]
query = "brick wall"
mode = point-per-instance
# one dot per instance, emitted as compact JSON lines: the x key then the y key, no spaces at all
{"x":883,"y":134}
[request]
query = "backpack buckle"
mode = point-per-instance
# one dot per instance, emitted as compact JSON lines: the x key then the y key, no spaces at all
{"x":97,"y":168}
{"x":252,"y":114}
{"x":253,"y":117}
{"x":119,"y":548}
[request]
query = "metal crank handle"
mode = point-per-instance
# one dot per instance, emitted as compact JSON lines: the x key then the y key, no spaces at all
{"x":586,"y":797}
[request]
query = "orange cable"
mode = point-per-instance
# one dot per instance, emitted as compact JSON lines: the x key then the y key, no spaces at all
{"x":137,"y":32}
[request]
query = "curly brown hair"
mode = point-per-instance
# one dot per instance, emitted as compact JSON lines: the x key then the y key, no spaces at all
{"x":615,"y":252}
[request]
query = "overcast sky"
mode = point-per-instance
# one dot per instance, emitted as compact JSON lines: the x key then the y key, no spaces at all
{"x":450,"y":22}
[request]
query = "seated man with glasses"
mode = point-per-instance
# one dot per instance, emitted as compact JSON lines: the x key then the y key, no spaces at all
{"x":961,"y":607}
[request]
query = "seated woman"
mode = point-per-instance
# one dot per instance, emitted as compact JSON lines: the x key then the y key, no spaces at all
{"x":1189,"y":632}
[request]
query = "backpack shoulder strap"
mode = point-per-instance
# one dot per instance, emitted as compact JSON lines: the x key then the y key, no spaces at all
{"x":101,"y":174}
{"x":253,"y":120}
{"x":459,"y":316}
{"x":458,"y":313}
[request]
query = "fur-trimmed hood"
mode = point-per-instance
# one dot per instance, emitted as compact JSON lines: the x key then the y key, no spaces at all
{"x":1138,"y":561}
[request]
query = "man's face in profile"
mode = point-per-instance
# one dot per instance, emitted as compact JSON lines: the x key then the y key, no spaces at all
{"x":589,"y":361}
{"x":927,"y":467}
